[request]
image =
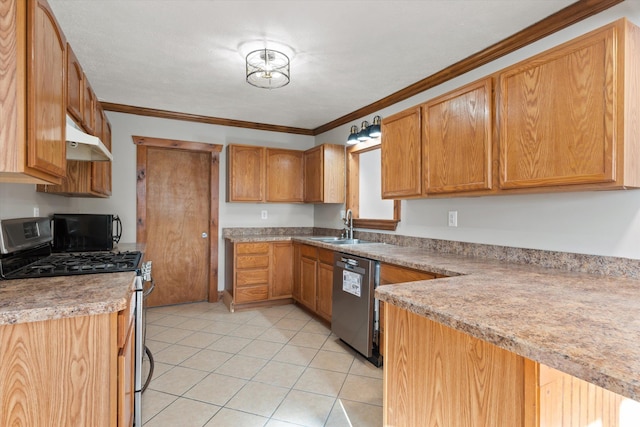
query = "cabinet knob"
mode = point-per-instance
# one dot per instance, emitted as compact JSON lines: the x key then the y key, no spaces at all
{"x":205,"y":235}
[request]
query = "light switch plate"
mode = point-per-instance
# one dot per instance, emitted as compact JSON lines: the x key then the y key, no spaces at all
{"x":453,"y":218}
{"x":264,"y":214}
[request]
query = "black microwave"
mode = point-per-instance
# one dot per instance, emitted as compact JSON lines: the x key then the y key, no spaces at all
{"x":85,"y":232}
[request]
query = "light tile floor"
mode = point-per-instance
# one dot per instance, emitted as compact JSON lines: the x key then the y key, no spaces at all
{"x":268,"y":367}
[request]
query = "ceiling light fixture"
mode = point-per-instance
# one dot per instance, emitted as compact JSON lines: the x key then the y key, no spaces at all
{"x":367,"y":131}
{"x":268,"y":69}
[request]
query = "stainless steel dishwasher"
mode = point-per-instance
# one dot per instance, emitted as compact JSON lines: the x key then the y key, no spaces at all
{"x":354,"y":315}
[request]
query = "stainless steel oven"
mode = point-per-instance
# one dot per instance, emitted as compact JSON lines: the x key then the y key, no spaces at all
{"x":354,"y":315}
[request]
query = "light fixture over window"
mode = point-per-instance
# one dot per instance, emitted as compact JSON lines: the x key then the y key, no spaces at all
{"x":367,"y":131}
{"x":268,"y":69}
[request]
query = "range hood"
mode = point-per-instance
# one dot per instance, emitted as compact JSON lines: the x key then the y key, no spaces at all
{"x":84,"y":147}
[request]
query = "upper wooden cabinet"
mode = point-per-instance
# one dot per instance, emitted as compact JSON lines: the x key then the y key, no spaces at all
{"x":456,"y":144}
{"x":284,"y":175}
{"x":569,"y":115}
{"x":324,"y":174}
{"x":75,"y":86}
{"x":245,"y":173}
{"x":101,"y":171}
{"x":401,"y":146}
{"x":33,"y":55}
{"x":89,"y":101}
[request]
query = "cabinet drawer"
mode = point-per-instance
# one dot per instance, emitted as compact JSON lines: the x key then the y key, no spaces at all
{"x":309,"y":251}
{"x":252,"y":248}
{"x":251,"y":293}
{"x":325,"y":256}
{"x":125,"y":320}
{"x":252,"y":277}
{"x":252,"y":261}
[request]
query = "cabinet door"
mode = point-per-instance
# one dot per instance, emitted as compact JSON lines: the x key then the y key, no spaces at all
{"x":284,"y":175}
{"x":308,"y":268}
{"x":75,"y":85}
{"x":401,"y":155}
{"x":557,"y":112}
{"x":297,"y":282}
{"x":281,"y":270}
{"x":88,"y":108}
{"x":245,"y":168}
{"x":313,"y":175}
{"x":46,"y":100}
{"x":457,"y":140}
{"x":325,"y":290}
{"x":101,"y":171}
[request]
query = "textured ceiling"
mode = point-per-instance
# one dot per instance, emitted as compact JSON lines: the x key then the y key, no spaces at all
{"x":188,"y":55}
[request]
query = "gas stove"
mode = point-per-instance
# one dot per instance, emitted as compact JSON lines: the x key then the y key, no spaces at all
{"x":25,"y":245}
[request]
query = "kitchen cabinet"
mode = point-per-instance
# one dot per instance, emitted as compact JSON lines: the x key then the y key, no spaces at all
{"x":74,"y":371}
{"x":324,"y":174}
{"x":457,"y":140}
{"x":391,"y":274}
{"x":89,"y":101}
{"x":436,"y":376}
{"x":262,"y":174}
{"x":258,"y":273}
{"x":32,"y":137}
{"x":245,"y":173}
{"x":284,"y":175}
{"x":75,"y":86}
{"x":87,"y":179}
{"x":315,"y":280}
{"x":568,"y":116}
{"x":401,"y":153}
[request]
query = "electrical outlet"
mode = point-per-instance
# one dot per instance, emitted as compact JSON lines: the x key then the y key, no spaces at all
{"x":264,"y":215}
{"x":342,"y":214}
{"x":453,"y":218}
{"x":36,"y":212}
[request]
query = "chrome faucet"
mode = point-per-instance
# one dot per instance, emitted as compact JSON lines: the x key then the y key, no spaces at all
{"x":348,"y":221}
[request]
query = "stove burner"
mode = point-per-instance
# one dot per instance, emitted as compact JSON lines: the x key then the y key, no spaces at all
{"x":64,"y":264}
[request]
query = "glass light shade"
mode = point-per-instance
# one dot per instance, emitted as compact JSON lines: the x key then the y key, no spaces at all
{"x":363,"y":135}
{"x":268,"y":69}
{"x":374,"y":129}
{"x":353,"y":135}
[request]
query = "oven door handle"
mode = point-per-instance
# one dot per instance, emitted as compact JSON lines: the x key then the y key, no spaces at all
{"x":150,"y":288}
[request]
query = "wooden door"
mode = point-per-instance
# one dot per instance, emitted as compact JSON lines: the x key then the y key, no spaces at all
{"x":401,"y":155}
{"x":177,"y":206}
{"x":457,"y":140}
{"x":557,"y":115}
{"x":308,"y":268}
{"x":281,"y":270}
{"x":46,"y":101}
{"x":313,"y":175}
{"x":284,"y":175}
{"x":245,"y":173}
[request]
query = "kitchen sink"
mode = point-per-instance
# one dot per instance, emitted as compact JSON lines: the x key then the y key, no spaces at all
{"x":339,"y":241}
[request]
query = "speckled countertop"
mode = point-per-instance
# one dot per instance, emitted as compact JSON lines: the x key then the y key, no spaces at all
{"x":31,"y":300}
{"x":583,"y":324}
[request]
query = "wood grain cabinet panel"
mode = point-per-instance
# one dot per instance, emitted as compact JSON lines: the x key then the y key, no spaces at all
{"x":258,"y":273}
{"x":457,"y":133}
{"x":569,"y":115}
{"x":324,"y":174}
{"x":401,"y":152}
{"x":314,"y":278}
{"x":284,"y":175}
{"x":75,"y":86}
{"x":245,"y":173}
{"x":32,"y":135}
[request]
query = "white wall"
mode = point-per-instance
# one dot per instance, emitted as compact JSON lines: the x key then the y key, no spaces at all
{"x":19,"y":200}
{"x":600,"y":223}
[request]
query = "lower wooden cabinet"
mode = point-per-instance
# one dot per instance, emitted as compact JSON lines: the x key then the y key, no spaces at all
{"x":75,"y":371}
{"x":437,"y":376}
{"x":393,"y":274}
{"x":313,"y":284}
{"x":258,"y":273}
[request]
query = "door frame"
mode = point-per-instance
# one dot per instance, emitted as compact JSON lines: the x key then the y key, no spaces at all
{"x":142,"y":143}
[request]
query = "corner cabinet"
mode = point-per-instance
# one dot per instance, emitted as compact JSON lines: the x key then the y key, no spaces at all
{"x":324,"y":174}
{"x":258,"y":274}
{"x":32,"y":94}
{"x":569,"y":115}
